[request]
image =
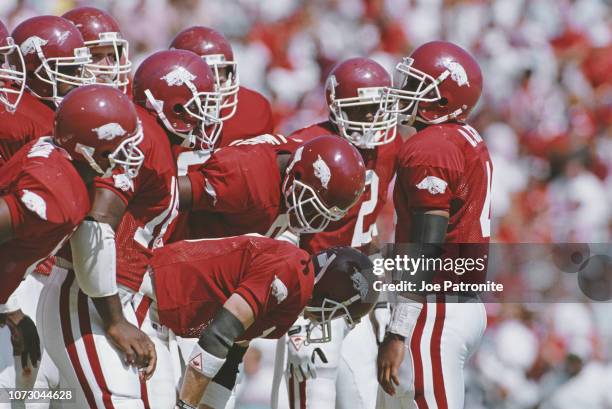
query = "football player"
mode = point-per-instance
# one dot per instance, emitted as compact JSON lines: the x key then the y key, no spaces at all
{"x":245,"y":113}
{"x":44,"y":195}
{"x":49,"y":51}
{"x":109,"y":50}
{"x":170,"y":88}
{"x":442,"y":195}
{"x":248,"y":287}
{"x":107,"y":248}
{"x":12,"y":77}
{"x":266,"y":189}
{"x":354,"y":90}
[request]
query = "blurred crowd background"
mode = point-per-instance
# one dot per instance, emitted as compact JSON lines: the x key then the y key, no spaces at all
{"x":546,"y":115}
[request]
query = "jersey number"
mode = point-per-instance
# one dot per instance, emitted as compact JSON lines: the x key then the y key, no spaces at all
{"x":361,"y":237}
{"x":472,"y":136}
{"x":485,"y":214}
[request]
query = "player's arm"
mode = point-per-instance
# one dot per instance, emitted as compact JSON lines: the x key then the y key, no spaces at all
{"x":6,"y":223}
{"x":219,"y":391}
{"x":212,"y":349}
{"x":95,"y":266}
{"x":427,"y":235}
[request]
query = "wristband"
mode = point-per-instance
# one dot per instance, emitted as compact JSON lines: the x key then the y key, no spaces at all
{"x":404,"y":317}
{"x":181,"y":404}
{"x":205,"y":363}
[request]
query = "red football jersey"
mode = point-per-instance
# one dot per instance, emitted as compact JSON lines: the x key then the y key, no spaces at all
{"x":152,"y":203}
{"x":237,"y":191}
{"x":187,"y":160}
{"x":47,"y":199}
{"x":358,"y":227}
{"x":253,"y":117}
{"x":446,"y":167}
{"x":30,"y":121}
{"x":194,"y":278}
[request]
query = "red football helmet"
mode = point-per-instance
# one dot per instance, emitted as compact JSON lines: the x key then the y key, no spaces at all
{"x":324,"y":179}
{"x":214,"y":48}
{"x":341,"y":290}
{"x":100,"y":30}
{"x":353,"y":91}
{"x":12,"y":76}
{"x":55,"y":56}
{"x":99,"y":126}
{"x":179,"y":87}
{"x":439,"y":82}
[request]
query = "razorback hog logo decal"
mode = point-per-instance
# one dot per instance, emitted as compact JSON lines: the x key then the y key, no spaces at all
{"x":109,"y":131}
{"x":32,"y":44}
{"x":321,"y":171}
{"x":457,"y":72}
{"x":178,"y":77}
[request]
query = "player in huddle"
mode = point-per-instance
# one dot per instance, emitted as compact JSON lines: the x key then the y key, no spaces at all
{"x":354,"y":90}
{"x":442,"y":196}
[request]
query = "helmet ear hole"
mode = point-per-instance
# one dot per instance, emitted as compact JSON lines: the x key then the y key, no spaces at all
{"x":178,"y":109}
{"x":297,"y":175}
{"x":443,"y":102}
{"x":105,"y":154}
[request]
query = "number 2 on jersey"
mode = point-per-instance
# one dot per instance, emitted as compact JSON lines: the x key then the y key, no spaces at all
{"x":361,"y":237}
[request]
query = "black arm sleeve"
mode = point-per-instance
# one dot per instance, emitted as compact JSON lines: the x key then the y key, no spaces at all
{"x":226,"y":376}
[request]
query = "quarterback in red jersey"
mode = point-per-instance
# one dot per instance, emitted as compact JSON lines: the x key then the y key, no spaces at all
{"x":442,"y":195}
{"x":245,"y":113}
{"x":248,"y":287}
{"x":24,"y":117}
{"x":354,"y":92}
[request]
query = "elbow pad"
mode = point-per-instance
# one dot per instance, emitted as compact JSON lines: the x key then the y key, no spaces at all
{"x":94,"y":258}
{"x":218,"y":337}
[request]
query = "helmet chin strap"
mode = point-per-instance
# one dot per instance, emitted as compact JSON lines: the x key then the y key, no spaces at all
{"x":87,"y":153}
{"x":189,"y":140}
{"x":441,"y":119}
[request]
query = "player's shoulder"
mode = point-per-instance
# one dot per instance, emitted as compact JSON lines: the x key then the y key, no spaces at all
{"x":434,"y":145}
{"x":244,"y":155}
{"x":310,"y":132}
{"x":254,"y":98}
{"x":49,"y":185}
{"x":31,"y":106}
{"x":155,"y":144}
{"x":31,"y":118}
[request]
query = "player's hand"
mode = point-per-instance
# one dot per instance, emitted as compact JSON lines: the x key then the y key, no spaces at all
{"x":380,"y":316}
{"x":390,"y":357}
{"x":301,"y":357}
{"x":24,"y":337}
{"x":138,"y":348}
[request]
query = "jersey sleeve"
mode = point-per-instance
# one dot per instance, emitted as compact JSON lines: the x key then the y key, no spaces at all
{"x":33,"y":210}
{"x":280,"y":297}
{"x":120,"y":184}
{"x":430,"y":174}
{"x":274,"y":280}
{"x":219,"y":184}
